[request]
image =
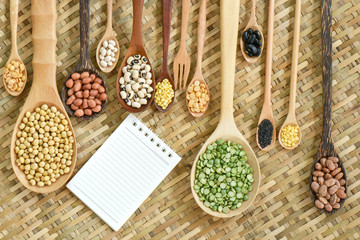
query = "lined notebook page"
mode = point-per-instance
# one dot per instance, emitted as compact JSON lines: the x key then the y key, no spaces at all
{"x":123,"y":172}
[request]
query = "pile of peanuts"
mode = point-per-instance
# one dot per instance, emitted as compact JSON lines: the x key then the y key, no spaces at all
{"x":44,"y":145}
{"x":107,"y":54}
{"x":198,"y":97}
{"x":15,"y":76}
{"x":85,"y":94}
{"x":328,"y":184}
{"x":164,"y":93}
{"x":135,"y":84}
{"x":290,"y":135}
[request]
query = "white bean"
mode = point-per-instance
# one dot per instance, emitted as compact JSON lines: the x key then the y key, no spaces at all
{"x":135,"y":74}
{"x":149,"y":81}
{"x":123,"y":94}
{"x":128,"y":87}
{"x":121,"y":80}
{"x":112,"y":43}
{"x":103,"y":51}
{"x":141,"y":80}
{"x":109,"y":52}
{"x":124,"y":69}
{"x":129,"y":60}
{"x":101,"y":57}
{"x":113,"y":59}
{"x":112,"y":54}
{"x":103,"y":63}
{"x":111,"y":47}
{"x":136,"y":105}
{"x":129,"y":102}
{"x":127,"y":75}
{"x":115,"y":50}
{"x":136,"y":67}
{"x":108,"y":58}
{"x":109,"y":63}
{"x":147,"y":68}
{"x":135,"y":87}
{"x":143,"y":101}
{"x":150,"y":89}
{"x":148,"y":75}
{"x":105,"y":44}
{"x":141,"y":94}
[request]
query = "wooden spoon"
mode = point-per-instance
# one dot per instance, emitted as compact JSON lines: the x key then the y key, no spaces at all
{"x":84,"y":64}
{"x":108,"y":35}
{"x":200,"y":44}
{"x":291,"y":117}
{"x":166,"y":16}
{"x":266,"y":112}
{"x":14,"y":55}
{"x":327,"y":148}
{"x":136,"y":47}
{"x":43,"y":89}
{"x":253,"y":25}
{"x":226,"y":129}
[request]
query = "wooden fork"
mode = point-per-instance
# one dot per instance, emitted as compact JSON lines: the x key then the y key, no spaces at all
{"x":182,"y":59}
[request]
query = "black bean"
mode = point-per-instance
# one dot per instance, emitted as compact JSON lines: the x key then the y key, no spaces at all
{"x":257,"y":34}
{"x":258,"y":52}
{"x":257,"y":43}
{"x":265,"y":132}
{"x":245,"y":36}
{"x":250,"y":31}
{"x":252,"y":49}
{"x":252,"y":39}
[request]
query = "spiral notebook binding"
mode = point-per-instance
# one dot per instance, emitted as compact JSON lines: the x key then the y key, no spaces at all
{"x":137,"y":122}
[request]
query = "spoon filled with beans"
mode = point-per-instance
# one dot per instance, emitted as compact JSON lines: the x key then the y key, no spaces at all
{"x":84,"y":92}
{"x":136,"y":81}
{"x":197,"y":94}
{"x":328,"y":187}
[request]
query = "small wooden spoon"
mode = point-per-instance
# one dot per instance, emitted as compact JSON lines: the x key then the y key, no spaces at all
{"x":43,"y":89}
{"x":108,"y":35}
{"x":136,"y":47}
{"x":266,"y":112}
{"x":327,"y":148}
{"x":291,"y":117}
{"x":14,"y":55}
{"x":251,"y":24}
{"x":226,"y":129}
{"x":200,"y":44}
{"x":84,"y":64}
{"x":166,"y":15}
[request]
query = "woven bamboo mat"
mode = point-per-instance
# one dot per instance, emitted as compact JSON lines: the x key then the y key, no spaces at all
{"x":282,"y":209}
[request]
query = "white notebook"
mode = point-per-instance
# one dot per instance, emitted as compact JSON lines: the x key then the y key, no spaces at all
{"x":123,"y":172}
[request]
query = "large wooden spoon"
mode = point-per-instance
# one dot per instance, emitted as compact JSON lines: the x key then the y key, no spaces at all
{"x":200,"y":49}
{"x":43,"y":89}
{"x":166,"y":20}
{"x":254,"y":26}
{"x":14,"y":55}
{"x":84,"y":64}
{"x":108,"y":35}
{"x":291,"y":117}
{"x":266,"y":112}
{"x":136,"y":47}
{"x":226,"y":129}
{"x":327,"y":148}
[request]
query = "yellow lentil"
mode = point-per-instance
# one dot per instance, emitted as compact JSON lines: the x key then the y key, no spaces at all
{"x":164,"y":93}
{"x":289,"y":135}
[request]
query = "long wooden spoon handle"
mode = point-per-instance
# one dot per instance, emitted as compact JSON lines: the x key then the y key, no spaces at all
{"x":136,"y":36}
{"x":327,"y":65}
{"x":294,"y":61}
{"x":201,"y":35}
{"x":229,"y":19}
{"x":84,"y":33}
{"x":184,"y":21}
{"x":269,"y":48}
{"x":43,"y":17}
{"x":109,"y":6}
{"x":14,"y":9}
{"x":166,"y":20}
{"x":253,"y":9}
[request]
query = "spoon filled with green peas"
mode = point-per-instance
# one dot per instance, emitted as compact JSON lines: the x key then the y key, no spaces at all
{"x":225,"y":175}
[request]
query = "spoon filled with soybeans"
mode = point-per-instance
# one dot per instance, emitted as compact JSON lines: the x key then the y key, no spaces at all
{"x":15,"y":75}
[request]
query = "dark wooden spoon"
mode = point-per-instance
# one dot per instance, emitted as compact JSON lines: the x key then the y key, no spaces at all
{"x":136,"y":47}
{"x":84,"y":64}
{"x":326,"y":148}
{"x":166,"y":15}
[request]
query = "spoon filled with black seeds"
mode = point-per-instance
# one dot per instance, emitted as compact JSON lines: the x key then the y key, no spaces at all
{"x":251,"y":42}
{"x":265,"y":133}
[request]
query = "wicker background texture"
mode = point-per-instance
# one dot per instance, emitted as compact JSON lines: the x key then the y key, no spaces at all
{"x":282,"y":209}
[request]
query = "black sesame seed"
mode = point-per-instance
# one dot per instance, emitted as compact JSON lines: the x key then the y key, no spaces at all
{"x":265,"y":132}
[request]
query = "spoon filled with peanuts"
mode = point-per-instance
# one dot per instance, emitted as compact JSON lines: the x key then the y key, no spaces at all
{"x":84,"y":93}
{"x":197,"y":94}
{"x":15,"y":75}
